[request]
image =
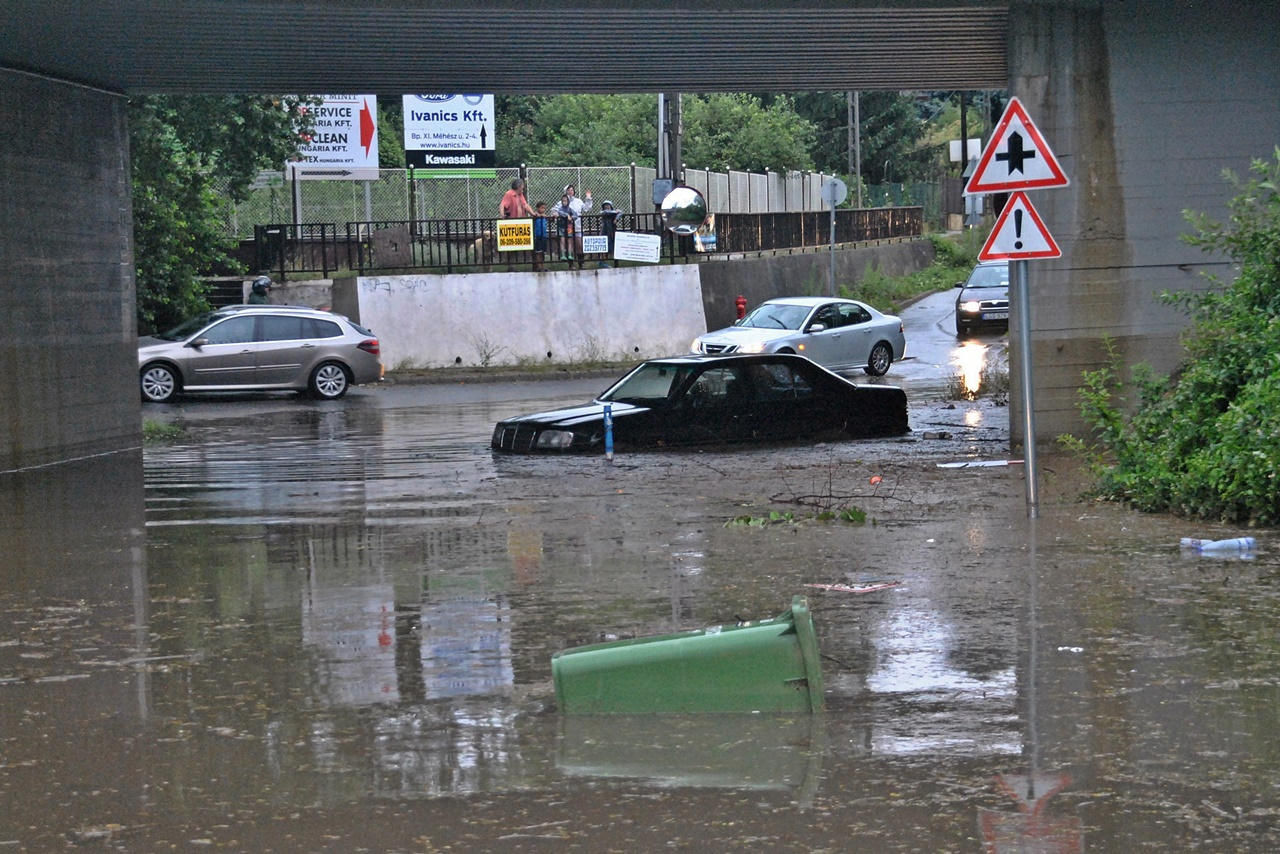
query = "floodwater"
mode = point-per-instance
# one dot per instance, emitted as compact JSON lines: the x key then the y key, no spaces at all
{"x":328,"y":627}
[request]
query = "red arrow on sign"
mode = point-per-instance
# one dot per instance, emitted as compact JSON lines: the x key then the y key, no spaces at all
{"x":367,"y":126}
{"x":1017,"y":158}
{"x":1019,"y":234}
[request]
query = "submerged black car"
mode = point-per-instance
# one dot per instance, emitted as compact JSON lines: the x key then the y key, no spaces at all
{"x":704,"y":400}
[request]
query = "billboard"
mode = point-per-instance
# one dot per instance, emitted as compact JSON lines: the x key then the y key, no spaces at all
{"x":454,"y":132}
{"x":343,"y":145}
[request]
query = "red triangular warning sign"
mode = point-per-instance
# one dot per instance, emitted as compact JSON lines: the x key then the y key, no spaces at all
{"x":1019,"y":234}
{"x":1016,"y":158}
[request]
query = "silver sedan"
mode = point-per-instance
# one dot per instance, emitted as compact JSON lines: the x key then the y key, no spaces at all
{"x":839,"y":334}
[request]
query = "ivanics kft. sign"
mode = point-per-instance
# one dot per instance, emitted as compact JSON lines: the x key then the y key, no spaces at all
{"x":449,"y":131}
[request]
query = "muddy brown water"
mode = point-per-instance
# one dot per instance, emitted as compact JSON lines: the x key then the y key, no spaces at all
{"x":328,"y":627}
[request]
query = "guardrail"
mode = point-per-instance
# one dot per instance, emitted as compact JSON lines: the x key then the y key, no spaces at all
{"x":470,"y":245}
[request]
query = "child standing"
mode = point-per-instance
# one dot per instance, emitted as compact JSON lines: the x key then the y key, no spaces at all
{"x":564,"y":229}
{"x":540,"y":238}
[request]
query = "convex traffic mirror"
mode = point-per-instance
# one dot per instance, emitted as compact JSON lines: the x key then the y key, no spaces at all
{"x":684,"y":210}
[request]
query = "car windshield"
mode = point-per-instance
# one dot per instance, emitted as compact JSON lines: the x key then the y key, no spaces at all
{"x":996,"y":276}
{"x":188,"y":328}
{"x":772,"y":315}
{"x":648,"y":384}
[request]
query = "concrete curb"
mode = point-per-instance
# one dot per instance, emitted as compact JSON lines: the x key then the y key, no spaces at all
{"x":472,"y":376}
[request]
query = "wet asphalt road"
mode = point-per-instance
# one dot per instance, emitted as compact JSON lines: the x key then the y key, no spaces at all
{"x":328,"y":627}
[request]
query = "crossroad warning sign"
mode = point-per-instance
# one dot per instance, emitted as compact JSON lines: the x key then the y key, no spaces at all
{"x":1017,"y":158}
{"x":1019,"y":234}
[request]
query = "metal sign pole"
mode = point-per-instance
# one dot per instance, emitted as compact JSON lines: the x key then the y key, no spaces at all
{"x":833,"y":250}
{"x":1021,"y":291}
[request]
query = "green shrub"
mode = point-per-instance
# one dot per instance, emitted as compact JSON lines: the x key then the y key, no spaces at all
{"x":953,"y":259}
{"x":1205,"y":442}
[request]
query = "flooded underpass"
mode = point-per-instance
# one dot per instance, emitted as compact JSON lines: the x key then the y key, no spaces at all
{"x":328,"y":627}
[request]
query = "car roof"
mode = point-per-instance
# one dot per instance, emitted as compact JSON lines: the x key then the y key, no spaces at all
{"x":704,"y":358}
{"x":809,"y":301}
{"x":271,"y":309}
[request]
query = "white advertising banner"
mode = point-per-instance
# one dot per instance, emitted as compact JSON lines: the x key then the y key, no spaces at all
{"x":644,"y":248}
{"x":343,"y":146}
{"x":449,"y":132}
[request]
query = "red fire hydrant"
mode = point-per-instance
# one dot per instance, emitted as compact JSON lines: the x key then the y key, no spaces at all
{"x":741,"y":302}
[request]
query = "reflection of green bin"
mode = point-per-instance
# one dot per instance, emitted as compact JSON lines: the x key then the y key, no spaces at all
{"x":777,"y":752}
{"x":760,"y":666}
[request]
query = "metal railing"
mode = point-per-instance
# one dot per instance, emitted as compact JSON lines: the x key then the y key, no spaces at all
{"x":470,"y":245}
{"x":400,"y":194}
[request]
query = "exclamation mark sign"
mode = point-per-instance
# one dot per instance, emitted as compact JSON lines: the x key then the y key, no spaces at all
{"x":1017,"y":228}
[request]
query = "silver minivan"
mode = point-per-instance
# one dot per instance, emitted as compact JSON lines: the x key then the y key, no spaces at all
{"x":259,"y":347}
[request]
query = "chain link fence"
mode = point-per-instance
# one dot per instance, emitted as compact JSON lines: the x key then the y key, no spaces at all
{"x":399,"y":195}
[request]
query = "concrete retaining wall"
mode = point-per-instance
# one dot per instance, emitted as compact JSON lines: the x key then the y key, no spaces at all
{"x":808,"y":273}
{"x":68,"y":350}
{"x":624,"y":314}
{"x":1145,"y":103}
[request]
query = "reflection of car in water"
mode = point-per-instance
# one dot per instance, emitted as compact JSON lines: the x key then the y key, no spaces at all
{"x":839,"y":334}
{"x":703,"y":400}
{"x":983,"y":301}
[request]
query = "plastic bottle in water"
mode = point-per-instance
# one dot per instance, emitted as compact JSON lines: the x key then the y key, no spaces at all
{"x":1235,"y":544}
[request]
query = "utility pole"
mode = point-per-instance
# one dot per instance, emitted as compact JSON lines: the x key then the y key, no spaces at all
{"x":852,"y":104}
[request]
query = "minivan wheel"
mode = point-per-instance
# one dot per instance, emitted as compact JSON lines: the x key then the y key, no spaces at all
{"x":159,"y":383}
{"x":329,"y":381}
{"x":880,"y":360}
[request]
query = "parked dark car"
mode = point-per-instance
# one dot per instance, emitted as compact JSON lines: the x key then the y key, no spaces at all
{"x":983,"y":301}
{"x":258,"y":347}
{"x":706,"y":400}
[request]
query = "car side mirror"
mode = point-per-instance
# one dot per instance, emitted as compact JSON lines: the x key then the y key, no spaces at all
{"x":816,"y":327}
{"x":959,"y":284}
{"x":197,"y":342}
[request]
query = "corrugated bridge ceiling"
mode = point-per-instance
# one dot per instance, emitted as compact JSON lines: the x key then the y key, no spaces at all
{"x":406,"y":46}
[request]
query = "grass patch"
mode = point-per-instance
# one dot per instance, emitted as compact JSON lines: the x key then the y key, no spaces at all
{"x":955,"y":257}
{"x":157,"y":432}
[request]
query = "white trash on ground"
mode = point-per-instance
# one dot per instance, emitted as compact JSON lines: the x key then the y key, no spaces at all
{"x":1235,"y":544}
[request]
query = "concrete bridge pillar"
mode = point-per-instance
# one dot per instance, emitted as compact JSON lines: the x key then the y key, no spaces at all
{"x":1145,"y":102}
{"x":68,"y":334}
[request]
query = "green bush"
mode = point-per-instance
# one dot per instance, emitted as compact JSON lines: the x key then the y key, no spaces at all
{"x":953,"y":259}
{"x":1205,"y":442}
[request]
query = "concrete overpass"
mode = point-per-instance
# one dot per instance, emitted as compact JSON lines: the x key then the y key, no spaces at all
{"x":1144,"y":101}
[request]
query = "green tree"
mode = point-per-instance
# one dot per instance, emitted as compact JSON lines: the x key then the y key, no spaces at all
{"x":572,"y":130}
{"x":391,"y":132}
{"x":892,"y":135}
{"x":740,"y":132}
{"x":516,"y":127}
{"x":185,"y":153}
{"x":1205,"y":442}
{"x":721,"y":130}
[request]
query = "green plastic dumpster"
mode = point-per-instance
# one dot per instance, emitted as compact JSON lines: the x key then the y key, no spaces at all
{"x":760,"y":666}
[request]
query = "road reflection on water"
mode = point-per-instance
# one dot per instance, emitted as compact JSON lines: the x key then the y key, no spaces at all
{"x":353,"y":608}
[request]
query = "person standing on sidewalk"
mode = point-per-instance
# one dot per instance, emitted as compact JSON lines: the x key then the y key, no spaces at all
{"x":515,"y":204}
{"x":572,"y":207}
